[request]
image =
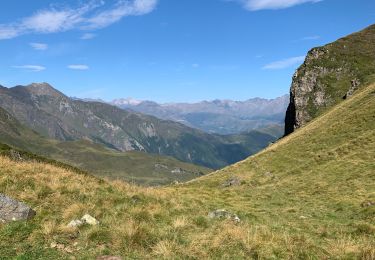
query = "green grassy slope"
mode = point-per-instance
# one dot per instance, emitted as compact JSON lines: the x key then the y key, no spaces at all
{"x":138,"y":167}
{"x":306,"y":197}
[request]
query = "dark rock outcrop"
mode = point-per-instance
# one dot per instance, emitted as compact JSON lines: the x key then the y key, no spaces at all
{"x":330,"y":74}
{"x":12,"y":210}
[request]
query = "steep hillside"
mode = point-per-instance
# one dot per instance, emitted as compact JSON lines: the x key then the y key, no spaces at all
{"x":133,"y":166}
{"x":309,"y":196}
{"x":52,"y":114}
{"x":329,"y":75}
{"x":218,"y":116}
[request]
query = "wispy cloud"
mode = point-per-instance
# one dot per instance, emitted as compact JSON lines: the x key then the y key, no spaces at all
{"x":286,"y":63}
{"x":87,"y":36}
{"x":122,"y":9}
{"x":33,"y":68}
{"x":255,"y":5}
{"x":39,"y":46}
{"x":195,"y":65}
{"x":78,"y":67}
{"x":310,"y":38}
{"x":94,"y":14}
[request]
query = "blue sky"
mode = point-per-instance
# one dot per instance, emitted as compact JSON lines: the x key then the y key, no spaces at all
{"x":169,"y":50}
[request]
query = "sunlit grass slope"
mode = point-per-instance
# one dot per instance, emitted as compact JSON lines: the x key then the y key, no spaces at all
{"x":299,"y":199}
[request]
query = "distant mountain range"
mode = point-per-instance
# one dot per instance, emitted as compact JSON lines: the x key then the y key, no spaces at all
{"x":53,"y":115}
{"x":217,"y":116}
{"x":141,"y":168}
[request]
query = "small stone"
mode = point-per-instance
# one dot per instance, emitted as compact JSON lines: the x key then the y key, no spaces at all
{"x":53,"y":245}
{"x":177,"y":171}
{"x":236,"y":219}
{"x":89,"y":220}
{"x":302,"y":217}
{"x":68,"y":250}
{"x":60,"y":246}
{"x":366,"y":204}
{"x":75,"y":223}
{"x":232,"y":182}
{"x":219,"y":213}
{"x":268,"y":174}
{"x":136,"y":199}
{"x":222,"y":213}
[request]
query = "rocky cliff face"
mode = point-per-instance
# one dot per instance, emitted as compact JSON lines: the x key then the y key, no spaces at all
{"x":330,"y":74}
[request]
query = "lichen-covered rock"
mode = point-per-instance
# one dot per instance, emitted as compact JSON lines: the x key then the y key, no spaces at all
{"x":12,"y":210}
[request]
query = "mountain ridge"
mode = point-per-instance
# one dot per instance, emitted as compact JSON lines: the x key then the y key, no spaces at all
{"x":216,"y":116}
{"x":54,"y":115}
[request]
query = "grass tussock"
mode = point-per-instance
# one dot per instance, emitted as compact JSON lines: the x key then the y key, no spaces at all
{"x":301,"y":198}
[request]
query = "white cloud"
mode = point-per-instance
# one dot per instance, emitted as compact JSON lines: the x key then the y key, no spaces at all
{"x":78,"y":67}
{"x":92,"y":15}
{"x":255,"y":5}
{"x":87,"y":36}
{"x":39,"y":46}
{"x":122,"y":9}
{"x":286,"y":63}
{"x":33,"y":68}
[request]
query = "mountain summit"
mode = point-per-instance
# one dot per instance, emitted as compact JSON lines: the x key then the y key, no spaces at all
{"x":43,"y":89}
{"x":330,"y":74}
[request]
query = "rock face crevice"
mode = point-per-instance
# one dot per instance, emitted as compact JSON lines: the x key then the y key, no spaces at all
{"x":329,"y":75}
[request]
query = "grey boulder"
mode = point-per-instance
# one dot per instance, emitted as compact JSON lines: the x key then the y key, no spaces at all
{"x":13,"y":210}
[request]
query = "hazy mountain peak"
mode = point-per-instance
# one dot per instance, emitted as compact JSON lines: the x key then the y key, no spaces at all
{"x":126,"y":101}
{"x":43,"y":89}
